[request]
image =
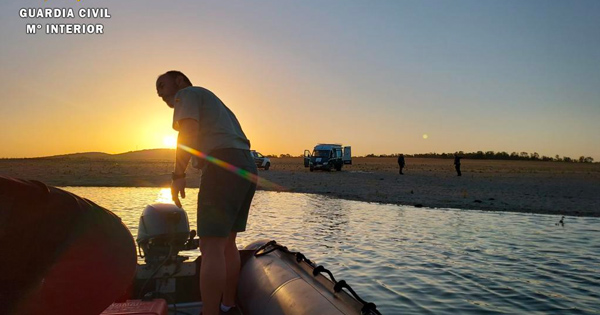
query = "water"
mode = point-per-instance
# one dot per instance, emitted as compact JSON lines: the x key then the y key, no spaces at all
{"x":418,"y":261}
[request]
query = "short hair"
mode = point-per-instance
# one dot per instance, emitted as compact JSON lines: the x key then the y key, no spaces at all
{"x":174,"y":74}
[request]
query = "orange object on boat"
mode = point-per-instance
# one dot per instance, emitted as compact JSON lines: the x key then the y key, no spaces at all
{"x":138,"y":307}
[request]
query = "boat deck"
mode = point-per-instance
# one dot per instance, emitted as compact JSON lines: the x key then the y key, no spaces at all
{"x":181,"y":287}
{"x":195,"y":309}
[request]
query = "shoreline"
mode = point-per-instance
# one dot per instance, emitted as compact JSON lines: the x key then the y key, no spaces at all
{"x":488,"y":185}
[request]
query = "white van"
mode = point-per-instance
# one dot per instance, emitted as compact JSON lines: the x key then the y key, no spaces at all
{"x":261,"y":160}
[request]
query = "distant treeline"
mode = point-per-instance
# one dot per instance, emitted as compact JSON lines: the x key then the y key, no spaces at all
{"x":491,"y":155}
{"x":488,"y":155}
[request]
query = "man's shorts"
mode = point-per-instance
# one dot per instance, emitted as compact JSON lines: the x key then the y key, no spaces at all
{"x":225,"y":196}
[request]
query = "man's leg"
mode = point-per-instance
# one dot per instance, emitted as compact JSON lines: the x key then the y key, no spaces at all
{"x":232,"y":258}
{"x":213,"y":273}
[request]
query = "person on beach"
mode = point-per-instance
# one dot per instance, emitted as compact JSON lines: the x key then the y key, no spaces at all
{"x":401,"y":163}
{"x":205,"y":124}
{"x":457,"y":164}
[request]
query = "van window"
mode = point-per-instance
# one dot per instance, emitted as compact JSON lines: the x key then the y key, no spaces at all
{"x":321,"y":153}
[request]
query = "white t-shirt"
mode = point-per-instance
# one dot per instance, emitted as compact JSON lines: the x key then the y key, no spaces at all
{"x":219,"y":128}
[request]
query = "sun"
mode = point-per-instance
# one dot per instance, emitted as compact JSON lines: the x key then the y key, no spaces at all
{"x":170,"y":142}
{"x":425,"y":136}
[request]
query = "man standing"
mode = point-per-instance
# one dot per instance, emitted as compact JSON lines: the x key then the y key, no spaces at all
{"x":401,"y":163}
{"x":457,"y":164}
{"x":207,"y":125}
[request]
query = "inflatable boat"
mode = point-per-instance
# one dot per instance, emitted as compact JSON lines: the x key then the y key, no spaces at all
{"x":85,"y":263}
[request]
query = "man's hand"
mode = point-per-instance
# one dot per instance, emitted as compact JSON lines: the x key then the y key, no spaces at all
{"x":188,"y":129}
{"x":178,"y":188}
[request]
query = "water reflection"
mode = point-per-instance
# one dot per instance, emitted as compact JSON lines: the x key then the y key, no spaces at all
{"x":415,"y":260}
{"x":164,"y":196}
{"x":327,"y":219}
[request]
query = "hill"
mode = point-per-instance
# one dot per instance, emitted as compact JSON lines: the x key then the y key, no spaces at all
{"x":151,"y":154}
{"x":80,"y":155}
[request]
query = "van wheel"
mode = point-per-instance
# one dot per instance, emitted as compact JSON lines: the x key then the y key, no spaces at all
{"x":338,"y":168}
{"x":267,"y":166}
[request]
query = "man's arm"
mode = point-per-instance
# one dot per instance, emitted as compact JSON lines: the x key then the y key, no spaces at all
{"x":188,"y":132}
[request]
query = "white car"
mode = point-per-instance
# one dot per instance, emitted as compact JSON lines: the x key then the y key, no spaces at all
{"x":261,"y":160}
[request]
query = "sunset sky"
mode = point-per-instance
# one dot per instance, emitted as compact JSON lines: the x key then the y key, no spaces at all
{"x":377,"y":75}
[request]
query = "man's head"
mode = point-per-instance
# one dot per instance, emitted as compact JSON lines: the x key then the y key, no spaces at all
{"x":169,"y":83}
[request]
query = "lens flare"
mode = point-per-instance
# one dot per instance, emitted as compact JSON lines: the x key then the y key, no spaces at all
{"x":234,"y":169}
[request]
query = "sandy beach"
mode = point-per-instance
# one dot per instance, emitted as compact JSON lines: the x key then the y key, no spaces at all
{"x":493,"y":185}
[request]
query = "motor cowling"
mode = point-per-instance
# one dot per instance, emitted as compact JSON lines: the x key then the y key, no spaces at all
{"x":162,"y":232}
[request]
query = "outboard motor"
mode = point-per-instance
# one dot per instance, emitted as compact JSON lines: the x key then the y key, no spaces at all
{"x":164,"y":231}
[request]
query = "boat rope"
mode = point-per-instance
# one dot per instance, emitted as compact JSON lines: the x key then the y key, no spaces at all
{"x":368,"y":307}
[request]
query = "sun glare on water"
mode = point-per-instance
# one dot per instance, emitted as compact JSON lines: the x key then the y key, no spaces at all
{"x":170,"y":142}
{"x":164,"y":196}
